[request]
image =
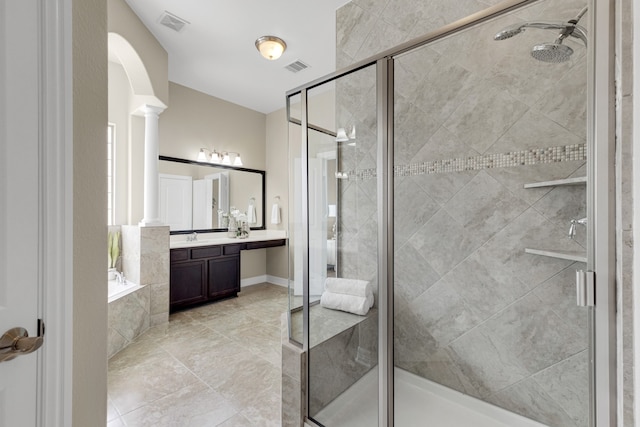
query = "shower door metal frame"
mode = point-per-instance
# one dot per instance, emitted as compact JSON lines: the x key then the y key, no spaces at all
{"x":600,"y":203}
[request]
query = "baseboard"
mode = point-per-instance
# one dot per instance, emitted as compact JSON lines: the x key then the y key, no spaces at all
{"x":280,"y":281}
{"x":265,"y":278}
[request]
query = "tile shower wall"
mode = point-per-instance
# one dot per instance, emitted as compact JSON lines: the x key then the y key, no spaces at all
{"x":475,"y":120}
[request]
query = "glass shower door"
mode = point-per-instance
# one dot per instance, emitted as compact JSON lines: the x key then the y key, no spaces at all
{"x":343,"y":235}
{"x":490,"y":227}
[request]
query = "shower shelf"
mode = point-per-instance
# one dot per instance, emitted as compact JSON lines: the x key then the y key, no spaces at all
{"x":568,"y":255}
{"x":568,"y":181}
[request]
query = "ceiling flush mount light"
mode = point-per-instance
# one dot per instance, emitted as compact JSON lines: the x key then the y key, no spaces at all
{"x":271,"y":47}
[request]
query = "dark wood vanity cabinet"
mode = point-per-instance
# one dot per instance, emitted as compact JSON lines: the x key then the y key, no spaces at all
{"x":188,"y":281}
{"x":208,"y":273}
{"x":203,"y":274}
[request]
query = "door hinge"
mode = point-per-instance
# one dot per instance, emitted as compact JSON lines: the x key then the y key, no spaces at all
{"x":585,"y":288}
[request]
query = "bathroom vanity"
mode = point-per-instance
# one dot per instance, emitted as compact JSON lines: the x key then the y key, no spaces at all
{"x":208,"y":270}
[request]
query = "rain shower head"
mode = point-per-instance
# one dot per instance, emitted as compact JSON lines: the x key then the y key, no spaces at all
{"x":551,"y":52}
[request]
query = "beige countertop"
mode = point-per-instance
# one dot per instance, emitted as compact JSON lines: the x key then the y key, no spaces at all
{"x":206,"y":239}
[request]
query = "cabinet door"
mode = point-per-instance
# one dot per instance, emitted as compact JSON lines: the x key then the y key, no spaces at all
{"x":224,"y":276}
{"x":188,"y":283}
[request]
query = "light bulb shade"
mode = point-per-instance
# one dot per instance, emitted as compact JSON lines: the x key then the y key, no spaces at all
{"x":237,"y":161}
{"x":226,"y":160}
{"x":341,"y":135}
{"x":215,"y":158}
{"x":271,"y":47}
{"x":202,"y":157}
{"x":352,"y":132}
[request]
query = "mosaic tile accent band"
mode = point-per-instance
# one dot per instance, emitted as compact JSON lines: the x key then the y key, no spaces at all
{"x":564,"y":153}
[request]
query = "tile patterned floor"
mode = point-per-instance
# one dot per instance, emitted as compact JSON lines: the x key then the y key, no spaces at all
{"x":215,"y":365}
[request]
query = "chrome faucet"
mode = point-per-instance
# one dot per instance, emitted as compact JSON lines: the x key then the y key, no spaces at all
{"x":193,"y":237}
{"x":574,"y":224}
{"x":120,"y":278}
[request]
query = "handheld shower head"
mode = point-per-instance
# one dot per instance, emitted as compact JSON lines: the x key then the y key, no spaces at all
{"x":510,"y":31}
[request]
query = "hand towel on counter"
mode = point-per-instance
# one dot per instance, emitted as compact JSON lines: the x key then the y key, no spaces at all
{"x":349,"y":303}
{"x":360,"y":288}
{"x":275,"y":214}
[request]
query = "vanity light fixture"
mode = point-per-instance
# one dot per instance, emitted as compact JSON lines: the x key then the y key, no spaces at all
{"x":215,"y":157}
{"x":341,"y":135}
{"x":219,"y":157}
{"x":271,"y":47}
{"x":202,"y":157}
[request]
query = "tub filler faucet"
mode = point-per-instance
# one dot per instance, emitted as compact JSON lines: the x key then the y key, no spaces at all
{"x":574,"y":225}
{"x":120,"y":278}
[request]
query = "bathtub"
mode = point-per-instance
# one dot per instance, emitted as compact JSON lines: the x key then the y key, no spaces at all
{"x":119,"y":290}
{"x":128,"y":314}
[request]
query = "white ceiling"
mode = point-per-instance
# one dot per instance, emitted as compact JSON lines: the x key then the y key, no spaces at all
{"x":216,"y":54}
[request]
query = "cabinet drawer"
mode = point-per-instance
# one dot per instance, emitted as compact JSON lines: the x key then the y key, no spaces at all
{"x":231,"y":249}
{"x":206,"y":252}
{"x":179,"y":254}
{"x":266,"y":244}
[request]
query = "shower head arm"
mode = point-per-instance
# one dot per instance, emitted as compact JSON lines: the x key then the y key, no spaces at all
{"x":573,"y":30}
{"x":580,"y":33}
{"x":545,"y":25}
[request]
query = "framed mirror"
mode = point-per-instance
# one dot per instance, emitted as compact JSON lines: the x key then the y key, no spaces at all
{"x":199,"y":196}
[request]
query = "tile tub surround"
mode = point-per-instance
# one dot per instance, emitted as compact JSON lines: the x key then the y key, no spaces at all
{"x":217,"y":365}
{"x":146,"y":261}
{"x":461,"y":209}
{"x":128,"y":318}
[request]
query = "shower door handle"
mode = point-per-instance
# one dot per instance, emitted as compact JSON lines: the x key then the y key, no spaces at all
{"x":585,"y":288}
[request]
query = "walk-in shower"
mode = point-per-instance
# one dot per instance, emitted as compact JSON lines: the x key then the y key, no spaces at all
{"x":453,"y":202}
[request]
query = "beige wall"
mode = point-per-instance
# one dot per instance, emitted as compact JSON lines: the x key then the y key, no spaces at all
{"x":195,"y":120}
{"x":119,"y":96}
{"x":89,"y":56}
{"x":277,"y":163}
{"x":123,"y":21}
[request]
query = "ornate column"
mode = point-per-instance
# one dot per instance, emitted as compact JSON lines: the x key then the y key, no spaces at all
{"x":151,"y":180}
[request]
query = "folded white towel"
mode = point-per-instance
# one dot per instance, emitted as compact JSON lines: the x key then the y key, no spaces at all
{"x":252,"y":218}
{"x":360,"y":288}
{"x":349,"y":303}
{"x":275,"y":214}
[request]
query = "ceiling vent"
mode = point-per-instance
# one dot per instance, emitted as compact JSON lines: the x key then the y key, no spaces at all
{"x":172,"y":21}
{"x":296,"y":66}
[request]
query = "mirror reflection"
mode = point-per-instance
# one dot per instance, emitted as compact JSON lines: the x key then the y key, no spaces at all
{"x":201,"y":197}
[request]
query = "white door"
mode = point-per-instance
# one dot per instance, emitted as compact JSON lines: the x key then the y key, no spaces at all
{"x":176,"y":207}
{"x":202,"y":204}
{"x":19,"y":203}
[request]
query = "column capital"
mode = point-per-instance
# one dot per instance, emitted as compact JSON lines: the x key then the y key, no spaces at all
{"x":145,"y":104}
{"x":151,"y":109}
